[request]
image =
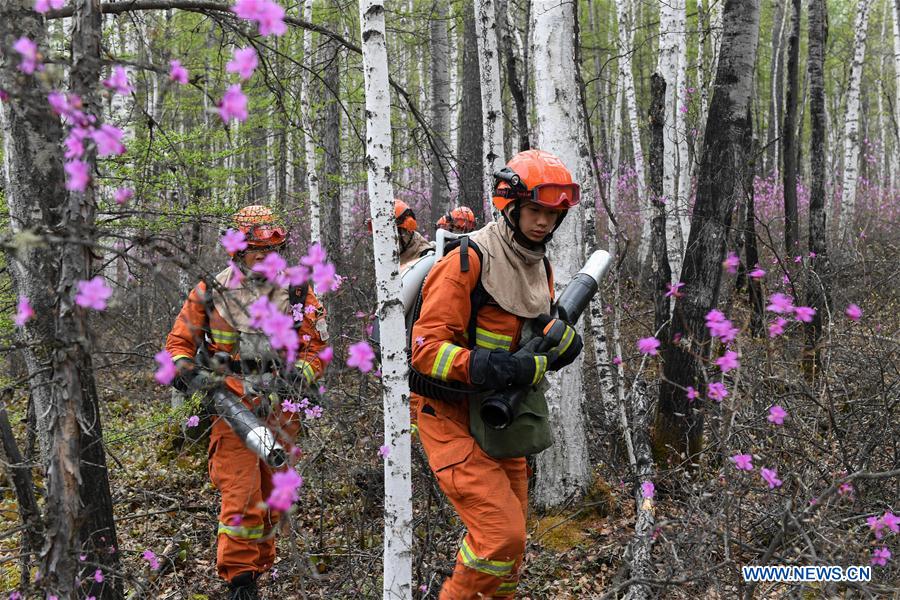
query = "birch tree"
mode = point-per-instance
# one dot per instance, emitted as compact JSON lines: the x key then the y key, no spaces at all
{"x":312,"y":177}
{"x":563,"y":469}
{"x":789,"y":153}
{"x":491,"y":95}
{"x":851,"y":124}
{"x":397,"y":555}
{"x":818,"y":285}
{"x":440,"y":107}
{"x":679,"y":426}
{"x":626,"y":74}
{"x":895,"y":155}
{"x":471,"y":129}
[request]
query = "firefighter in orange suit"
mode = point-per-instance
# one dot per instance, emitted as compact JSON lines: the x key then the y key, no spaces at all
{"x":458,"y":220}
{"x":533,"y":193}
{"x":218,"y":320}
{"x":412,"y":243}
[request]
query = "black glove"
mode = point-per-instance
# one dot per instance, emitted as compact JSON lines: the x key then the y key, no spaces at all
{"x":186,"y":373}
{"x":499,"y":369}
{"x":561,"y":342}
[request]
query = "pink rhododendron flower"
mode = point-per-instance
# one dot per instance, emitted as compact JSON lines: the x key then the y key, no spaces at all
{"x":118,"y":81}
{"x":648,"y":489}
{"x":243,"y":63}
{"x":714,"y":316}
{"x":193,"y":421}
{"x":781,"y":304}
{"x":384,"y":450}
{"x":648,"y":346}
{"x":309,"y":309}
{"x":285,"y":489}
{"x":771,"y":477}
{"x":166,"y":372}
{"x":44,"y":6}
{"x":93,"y":293}
{"x":757,"y":273}
{"x":743,"y":462}
{"x":674,"y":289}
{"x":804,"y":313}
{"x":233,"y":104}
{"x":323,"y":276}
{"x":236,"y":278}
{"x":692,"y":394}
{"x":98,"y":576}
{"x":891,"y":521}
{"x":880,"y":556}
{"x":77,"y":175}
{"x":31,"y":60}
{"x":420,"y":340}
{"x":24,"y":312}
{"x":360,"y":355}
{"x":296,"y":275}
{"x":845,"y":489}
{"x":108,"y":140}
{"x":123,"y":195}
{"x":177,"y":73}
{"x":327,"y":355}
{"x":776,"y":328}
{"x":150,"y":557}
{"x":314,"y":412}
{"x":288,"y":406}
{"x":75,"y":142}
{"x":717,"y":391}
{"x":233,"y":241}
{"x":720,"y":327}
{"x":731,"y":262}
{"x":617,"y":360}
{"x":728,"y":362}
{"x":777,"y":415}
{"x":270,"y":266}
{"x":876,"y":525}
{"x":271,"y":20}
{"x":854,"y":312}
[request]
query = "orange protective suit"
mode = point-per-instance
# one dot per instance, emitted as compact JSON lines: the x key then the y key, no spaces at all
{"x":246,"y":541}
{"x":490,"y":495}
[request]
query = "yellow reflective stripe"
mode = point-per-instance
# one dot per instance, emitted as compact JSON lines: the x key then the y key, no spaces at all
{"x":224,"y":337}
{"x":568,"y":336}
{"x":444,"y":360}
{"x":308,"y":372}
{"x":497,"y":568}
{"x":492,"y":341}
{"x":414,"y":429}
{"x":177,"y":356}
{"x":239,"y":531}
{"x":540,"y":367}
{"x":507,"y":588}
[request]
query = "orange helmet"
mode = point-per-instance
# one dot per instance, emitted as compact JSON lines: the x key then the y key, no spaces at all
{"x":259,"y":226}
{"x":405,"y":217}
{"x":458,"y":220}
{"x":536,"y":176}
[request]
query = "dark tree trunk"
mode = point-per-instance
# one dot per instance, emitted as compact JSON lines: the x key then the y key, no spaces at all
{"x":819,"y":283}
{"x":516,"y":89}
{"x":471,"y":132}
{"x":440,"y":108}
{"x":659,"y":266}
{"x":751,"y":252}
{"x":788,"y":132}
{"x":330,"y":179}
{"x":720,"y":180}
{"x":773,"y":158}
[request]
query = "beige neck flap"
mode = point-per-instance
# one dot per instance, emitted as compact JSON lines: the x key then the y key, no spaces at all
{"x":232,"y":304}
{"x":417,"y":245}
{"x":513,"y":275}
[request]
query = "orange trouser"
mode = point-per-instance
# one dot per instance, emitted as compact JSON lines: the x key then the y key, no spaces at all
{"x":246,"y":537}
{"x":490,"y":496}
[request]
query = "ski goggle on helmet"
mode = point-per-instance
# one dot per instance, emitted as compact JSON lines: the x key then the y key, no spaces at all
{"x":539,"y":177}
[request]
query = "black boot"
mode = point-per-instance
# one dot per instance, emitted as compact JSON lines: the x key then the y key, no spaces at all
{"x":243,"y":587}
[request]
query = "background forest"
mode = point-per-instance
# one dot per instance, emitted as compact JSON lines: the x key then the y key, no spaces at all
{"x":738,"y":156}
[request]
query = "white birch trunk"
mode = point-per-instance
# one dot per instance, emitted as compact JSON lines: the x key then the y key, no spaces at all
{"x":851,"y":124}
{"x":312,"y":177}
{"x":895,"y":155}
{"x":671,"y":54}
{"x":683,"y":165}
{"x":563,"y":470}
{"x":614,"y":159}
{"x":397,"y":555}
{"x":453,"y":61}
{"x":882,"y":90}
{"x":491,"y":95}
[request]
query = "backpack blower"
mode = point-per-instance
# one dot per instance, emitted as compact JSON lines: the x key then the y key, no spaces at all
{"x":499,"y":408}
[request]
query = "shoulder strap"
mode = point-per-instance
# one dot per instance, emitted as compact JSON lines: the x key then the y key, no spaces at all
{"x":297,"y":293}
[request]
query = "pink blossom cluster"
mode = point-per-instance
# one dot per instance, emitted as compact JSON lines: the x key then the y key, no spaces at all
{"x":285,"y":491}
{"x":720,"y":327}
{"x":269,"y":16}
